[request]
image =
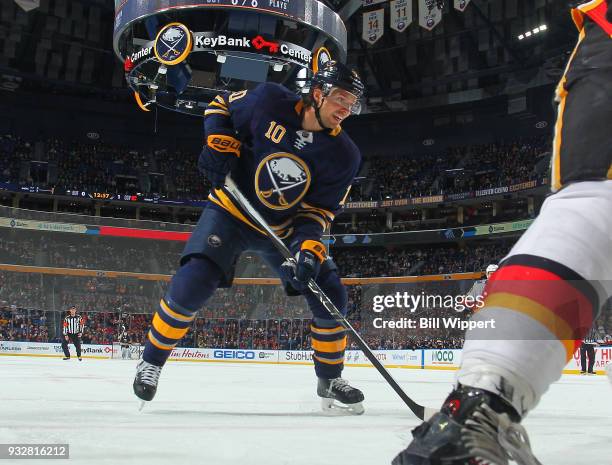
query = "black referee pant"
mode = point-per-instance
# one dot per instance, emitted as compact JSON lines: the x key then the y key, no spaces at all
{"x":75,"y":340}
{"x":587,"y":349}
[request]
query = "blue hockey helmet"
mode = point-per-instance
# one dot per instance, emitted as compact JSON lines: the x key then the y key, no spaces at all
{"x":335,"y":74}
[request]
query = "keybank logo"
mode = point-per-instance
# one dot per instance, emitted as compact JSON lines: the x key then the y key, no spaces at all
{"x":94,"y":350}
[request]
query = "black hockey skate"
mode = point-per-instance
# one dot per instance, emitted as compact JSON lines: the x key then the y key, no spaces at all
{"x":339,"y":390}
{"x":474,"y":427}
{"x":145,"y":383}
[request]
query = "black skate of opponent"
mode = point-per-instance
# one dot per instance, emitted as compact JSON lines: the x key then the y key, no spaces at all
{"x":474,"y":427}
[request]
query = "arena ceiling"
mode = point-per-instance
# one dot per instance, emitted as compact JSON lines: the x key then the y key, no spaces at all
{"x":66,"y":46}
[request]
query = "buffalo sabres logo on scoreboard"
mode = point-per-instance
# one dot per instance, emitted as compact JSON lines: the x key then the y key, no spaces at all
{"x":321,"y":56}
{"x":281,"y":180}
{"x":173,"y":44}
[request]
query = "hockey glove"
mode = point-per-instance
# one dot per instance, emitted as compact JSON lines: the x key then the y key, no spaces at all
{"x":307,"y":266}
{"x":219,"y":157}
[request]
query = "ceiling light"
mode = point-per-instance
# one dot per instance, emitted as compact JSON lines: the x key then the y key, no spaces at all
{"x":534,"y":31}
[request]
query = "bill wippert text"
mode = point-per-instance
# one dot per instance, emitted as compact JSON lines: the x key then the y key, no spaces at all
{"x":433,"y":323}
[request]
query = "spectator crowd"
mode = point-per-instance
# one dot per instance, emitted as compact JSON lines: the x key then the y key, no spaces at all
{"x":97,"y":166}
{"x":84,"y":252}
{"x":18,"y":324}
{"x":245,"y":316}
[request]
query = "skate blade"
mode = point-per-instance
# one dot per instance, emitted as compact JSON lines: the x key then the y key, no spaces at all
{"x":332,"y":408}
{"x":141,"y":404}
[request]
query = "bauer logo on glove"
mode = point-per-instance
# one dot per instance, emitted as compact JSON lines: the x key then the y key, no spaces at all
{"x":222,"y":143}
{"x":219,"y":157}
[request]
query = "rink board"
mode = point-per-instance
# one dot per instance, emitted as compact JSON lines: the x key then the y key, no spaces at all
{"x":427,"y":359}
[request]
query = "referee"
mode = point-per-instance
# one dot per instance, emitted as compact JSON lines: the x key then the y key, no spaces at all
{"x":587,"y":349}
{"x":72,"y":331}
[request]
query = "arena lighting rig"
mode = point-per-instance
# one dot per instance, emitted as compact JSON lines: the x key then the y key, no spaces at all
{"x":179,"y":53}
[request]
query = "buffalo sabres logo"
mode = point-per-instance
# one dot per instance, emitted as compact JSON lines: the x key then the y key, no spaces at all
{"x":281,"y":180}
{"x":173,"y":44}
{"x":321,"y":56}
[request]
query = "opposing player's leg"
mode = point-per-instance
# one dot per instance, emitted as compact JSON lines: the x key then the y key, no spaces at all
{"x":544,"y":299}
{"x":206,"y":264}
{"x":328,"y":339}
{"x":548,"y":290}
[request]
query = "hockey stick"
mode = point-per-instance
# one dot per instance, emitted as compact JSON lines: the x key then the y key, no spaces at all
{"x":420,"y":411}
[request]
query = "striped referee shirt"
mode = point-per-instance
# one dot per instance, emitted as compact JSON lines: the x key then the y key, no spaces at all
{"x":73,"y":324}
{"x":593,"y":337}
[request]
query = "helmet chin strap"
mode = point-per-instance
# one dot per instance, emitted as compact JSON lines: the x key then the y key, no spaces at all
{"x":318,"y":114}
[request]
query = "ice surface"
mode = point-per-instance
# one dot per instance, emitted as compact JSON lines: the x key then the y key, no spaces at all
{"x":219,"y":414}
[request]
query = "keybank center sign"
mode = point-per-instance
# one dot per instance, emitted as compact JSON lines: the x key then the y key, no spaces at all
{"x":287,"y":51}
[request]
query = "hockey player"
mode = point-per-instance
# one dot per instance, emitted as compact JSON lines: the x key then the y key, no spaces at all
{"x":291,"y":159}
{"x":478,"y":288}
{"x":124,"y":341}
{"x":549,"y":289}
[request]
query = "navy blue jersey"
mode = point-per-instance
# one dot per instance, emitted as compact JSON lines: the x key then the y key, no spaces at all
{"x":297,"y":180}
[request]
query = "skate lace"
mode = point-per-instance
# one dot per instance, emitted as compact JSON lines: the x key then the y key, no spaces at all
{"x":149,"y":374}
{"x":494,"y":438}
{"x":340,"y":384}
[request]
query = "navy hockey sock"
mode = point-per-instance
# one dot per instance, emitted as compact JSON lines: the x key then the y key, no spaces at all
{"x":192,"y":285}
{"x":328,"y":341}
